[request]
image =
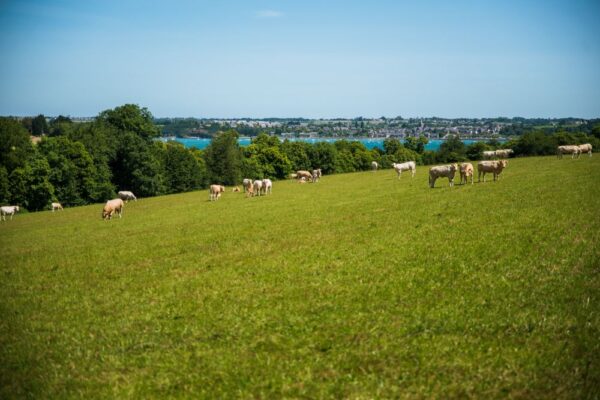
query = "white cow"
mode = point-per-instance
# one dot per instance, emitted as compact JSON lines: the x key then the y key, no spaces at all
{"x":111,"y":207}
{"x":495,"y":167}
{"x":8,"y":210}
{"x":267,"y":186}
{"x":466,"y":171}
{"x":258,"y":184}
{"x":247,"y":183}
{"x":407,"y":166}
{"x":374,"y":165}
{"x":57,"y":206}
{"x":504,"y":153}
{"x":126,"y":195}
{"x":572,"y":150}
{"x":315,"y":175}
{"x":442,"y":170}
{"x":585,"y":148}
{"x":215,"y":192}
{"x":489,"y":154}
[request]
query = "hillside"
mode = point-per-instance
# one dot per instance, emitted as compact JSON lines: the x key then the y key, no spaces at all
{"x":359,"y":286}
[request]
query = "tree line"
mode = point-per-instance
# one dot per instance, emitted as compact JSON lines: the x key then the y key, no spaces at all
{"x":88,"y":162}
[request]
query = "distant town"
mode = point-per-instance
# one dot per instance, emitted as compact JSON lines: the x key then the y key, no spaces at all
{"x":398,"y":127}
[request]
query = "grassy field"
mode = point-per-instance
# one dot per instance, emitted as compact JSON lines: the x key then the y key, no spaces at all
{"x":360,"y":286}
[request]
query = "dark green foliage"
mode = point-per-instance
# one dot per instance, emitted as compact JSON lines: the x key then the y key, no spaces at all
{"x":392,"y":145}
{"x":137,"y":167}
{"x":416,"y":144}
{"x":452,"y":150}
{"x":183,"y":173}
{"x":323,"y":155}
{"x":224,"y":159}
{"x":30,"y":184}
{"x":297,"y":153}
{"x":15,"y":145}
{"x":475,"y":150}
{"x":73,"y":173}
{"x":4,"y":186}
{"x":60,"y":126}
{"x":39,"y":126}
{"x":130,"y":118}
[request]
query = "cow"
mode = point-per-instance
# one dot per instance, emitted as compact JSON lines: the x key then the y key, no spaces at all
{"x":489,"y":154}
{"x":374,"y":166}
{"x":267,"y":186}
{"x":111,"y":207}
{"x":304,"y":174}
{"x":57,"y":206}
{"x":466,"y":170}
{"x":215,"y":192}
{"x":126,"y":195}
{"x":258,"y":185}
{"x":585,"y":148}
{"x":442,"y":170}
{"x":572,"y":150}
{"x":8,"y":210}
{"x":247,"y":183}
{"x":407,"y":166}
{"x":315,"y":175}
{"x":236,"y":189}
{"x":495,"y":167}
{"x":504,"y":153}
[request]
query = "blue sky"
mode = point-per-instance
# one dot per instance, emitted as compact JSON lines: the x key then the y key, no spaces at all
{"x":316,"y":59}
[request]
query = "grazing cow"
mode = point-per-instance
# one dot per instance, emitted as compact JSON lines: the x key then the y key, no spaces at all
{"x":302,"y":180}
{"x":250,"y":191}
{"x":247,"y":183}
{"x":407,"y":166}
{"x":489,"y":154}
{"x":258,"y":185}
{"x":494,"y":167}
{"x":267,"y":186}
{"x":442,"y":170}
{"x":111,"y":207}
{"x":126,"y":195}
{"x":374,"y":166}
{"x":57,"y":206}
{"x":215,"y":192}
{"x":315,"y":175}
{"x":293,"y":176}
{"x":8,"y":210}
{"x":504,"y":153}
{"x":585,"y":148}
{"x":236,"y":189}
{"x":572,"y":150}
{"x":319,"y":173}
{"x":466,"y":170}
{"x":304,"y":174}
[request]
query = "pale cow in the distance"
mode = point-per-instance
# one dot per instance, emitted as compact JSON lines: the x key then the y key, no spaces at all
{"x":215,"y":192}
{"x":585,"y":148}
{"x":572,"y":150}
{"x":466,"y":171}
{"x":495,"y":167}
{"x":267,"y":186}
{"x":247,"y":183}
{"x":126,"y":195}
{"x":374,"y":166}
{"x":111,"y":207}
{"x":447,"y":171}
{"x":489,"y":154}
{"x":258,"y":185}
{"x":57,"y":206}
{"x":407,"y":166}
{"x":504,"y":153}
{"x":304,"y":174}
{"x":8,"y":210}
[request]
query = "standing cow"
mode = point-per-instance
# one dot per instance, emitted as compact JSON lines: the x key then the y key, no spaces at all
{"x":215,"y":192}
{"x":442,"y":171}
{"x":8,"y":210}
{"x":572,"y":150}
{"x":57,"y":206}
{"x":374,"y":166}
{"x":585,"y":148}
{"x":466,"y":170}
{"x":495,"y":167}
{"x":407,"y":166}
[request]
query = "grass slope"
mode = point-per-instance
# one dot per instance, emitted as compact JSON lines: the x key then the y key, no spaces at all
{"x":360,"y":286}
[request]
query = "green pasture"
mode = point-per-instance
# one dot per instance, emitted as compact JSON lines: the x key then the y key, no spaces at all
{"x":360,"y":286}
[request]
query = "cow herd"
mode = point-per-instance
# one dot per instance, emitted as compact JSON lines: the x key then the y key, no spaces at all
{"x":261,"y":187}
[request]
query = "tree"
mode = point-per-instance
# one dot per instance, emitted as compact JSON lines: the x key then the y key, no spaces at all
{"x":183,"y":173}
{"x":452,"y":150}
{"x":39,"y":126}
{"x":30,"y":184}
{"x":130,"y":118}
{"x":4,"y":186}
{"x":391,"y":145}
{"x":223,"y":158}
{"x":15,"y":144}
{"x":416,"y":144}
{"x":475,"y":150}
